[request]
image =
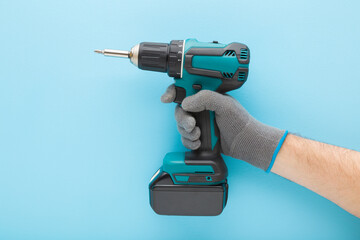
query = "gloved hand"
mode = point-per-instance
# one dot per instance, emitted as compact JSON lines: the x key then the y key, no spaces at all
{"x":241,"y":135}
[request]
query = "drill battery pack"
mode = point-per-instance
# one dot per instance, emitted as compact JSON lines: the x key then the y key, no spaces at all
{"x":189,"y":185}
{"x":166,"y":198}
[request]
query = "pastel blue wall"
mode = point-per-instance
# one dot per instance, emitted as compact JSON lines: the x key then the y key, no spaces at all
{"x":81,"y":135}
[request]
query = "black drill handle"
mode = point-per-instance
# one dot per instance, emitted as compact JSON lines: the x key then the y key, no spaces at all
{"x":205,"y":120}
{"x":210,"y":137}
{"x":209,"y":151}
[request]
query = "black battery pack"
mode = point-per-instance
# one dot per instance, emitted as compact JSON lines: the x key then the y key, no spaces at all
{"x":167,"y":198}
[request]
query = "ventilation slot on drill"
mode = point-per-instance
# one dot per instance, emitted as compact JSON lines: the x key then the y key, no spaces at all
{"x":230,"y":53}
{"x":244,"y":53}
{"x":227,"y":75}
{"x":241,"y":76}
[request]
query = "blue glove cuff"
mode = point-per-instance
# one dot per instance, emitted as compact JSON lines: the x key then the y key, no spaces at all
{"x":276,"y":151}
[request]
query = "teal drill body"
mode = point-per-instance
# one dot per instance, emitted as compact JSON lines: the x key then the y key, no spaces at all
{"x":193,"y":183}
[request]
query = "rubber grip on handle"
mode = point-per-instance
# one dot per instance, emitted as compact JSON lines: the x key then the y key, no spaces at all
{"x":209,"y":137}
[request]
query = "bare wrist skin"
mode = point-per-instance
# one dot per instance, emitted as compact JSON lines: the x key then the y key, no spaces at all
{"x":330,"y":171}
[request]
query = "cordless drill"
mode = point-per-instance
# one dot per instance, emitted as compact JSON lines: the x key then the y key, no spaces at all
{"x":192,"y":183}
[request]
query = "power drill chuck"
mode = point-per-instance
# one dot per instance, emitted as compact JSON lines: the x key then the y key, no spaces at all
{"x":153,"y":56}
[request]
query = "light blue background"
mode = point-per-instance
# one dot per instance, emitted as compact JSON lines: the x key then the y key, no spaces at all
{"x":81,"y":134}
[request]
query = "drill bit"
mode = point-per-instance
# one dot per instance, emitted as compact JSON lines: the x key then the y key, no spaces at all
{"x":114,"y":53}
{"x":132,"y":54}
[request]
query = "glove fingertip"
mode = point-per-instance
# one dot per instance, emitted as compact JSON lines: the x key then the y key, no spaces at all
{"x":190,"y":124}
{"x":165,"y":98}
{"x":188,"y":104}
{"x":197,"y":133}
{"x":193,"y":145}
{"x":200,"y":101}
{"x":169,"y":95}
{"x":196,"y":145}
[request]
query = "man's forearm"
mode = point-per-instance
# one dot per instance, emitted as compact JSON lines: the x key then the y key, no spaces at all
{"x":330,"y":171}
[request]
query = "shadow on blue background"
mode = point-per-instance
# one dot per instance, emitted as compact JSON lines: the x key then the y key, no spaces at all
{"x":81,"y":135}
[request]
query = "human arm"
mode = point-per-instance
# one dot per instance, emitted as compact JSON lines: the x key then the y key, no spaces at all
{"x":330,"y":171}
